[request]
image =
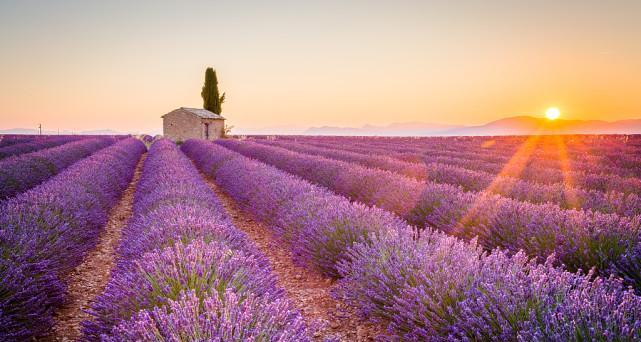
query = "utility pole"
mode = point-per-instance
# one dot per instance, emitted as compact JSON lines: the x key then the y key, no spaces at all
{"x":40,"y":128}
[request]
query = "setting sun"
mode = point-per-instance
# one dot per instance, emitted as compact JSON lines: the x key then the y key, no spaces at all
{"x":552,"y":113}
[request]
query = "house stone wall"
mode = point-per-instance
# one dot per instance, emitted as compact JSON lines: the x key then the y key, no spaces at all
{"x":180,"y":125}
{"x":216,"y":128}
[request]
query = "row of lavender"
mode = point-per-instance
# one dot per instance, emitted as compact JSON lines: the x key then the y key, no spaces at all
{"x":184,"y":272}
{"x":580,"y":239}
{"x":544,"y":152}
{"x":592,"y":145}
{"x":620,"y":151}
{"x":619,"y":154}
{"x":11,"y":139}
{"x":22,"y":172}
{"x":47,"y":230}
{"x":431,"y":287}
{"x":596,"y":177}
{"x":526,"y":156}
{"x":529,"y":154}
{"x":518,"y":168}
{"x":36,"y":144}
{"x":469,"y":180}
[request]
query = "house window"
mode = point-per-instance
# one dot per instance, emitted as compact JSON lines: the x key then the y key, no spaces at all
{"x":207,"y":131}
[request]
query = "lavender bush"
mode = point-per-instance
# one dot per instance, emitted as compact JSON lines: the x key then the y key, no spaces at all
{"x":226,"y":318}
{"x":35,"y":144}
{"x":433,"y":286}
{"x":447,"y":152}
{"x":206,"y":269}
{"x":12,"y":139}
{"x":384,"y":189}
{"x":474,"y":180}
{"x":320,"y":225}
{"x":580,"y":239}
{"x":184,"y":272}
{"x":438,"y":287}
{"x":25,"y":171}
{"x":591,"y":154}
{"x":47,"y":230}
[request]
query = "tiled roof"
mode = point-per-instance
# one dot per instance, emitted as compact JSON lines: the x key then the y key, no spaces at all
{"x":203,"y":113}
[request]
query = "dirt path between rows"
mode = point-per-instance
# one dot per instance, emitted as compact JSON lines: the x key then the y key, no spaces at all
{"x":308,"y":290}
{"x":89,"y":279}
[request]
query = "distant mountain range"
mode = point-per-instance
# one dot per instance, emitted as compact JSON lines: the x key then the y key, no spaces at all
{"x":395,"y":129}
{"x":518,"y":125}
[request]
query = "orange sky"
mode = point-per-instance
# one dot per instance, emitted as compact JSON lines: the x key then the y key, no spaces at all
{"x":291,"y":65}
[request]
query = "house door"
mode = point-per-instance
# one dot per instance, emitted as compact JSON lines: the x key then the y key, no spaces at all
{"x":206,"y":131}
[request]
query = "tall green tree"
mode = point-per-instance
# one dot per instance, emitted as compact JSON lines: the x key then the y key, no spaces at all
{"x":212,"y":100}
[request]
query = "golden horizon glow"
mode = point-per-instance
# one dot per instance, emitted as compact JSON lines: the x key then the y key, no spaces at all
{"x":287,"y":66}
{"x":552,"y":113}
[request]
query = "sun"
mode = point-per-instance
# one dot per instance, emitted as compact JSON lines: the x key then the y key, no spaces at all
{"x":552,"y":113}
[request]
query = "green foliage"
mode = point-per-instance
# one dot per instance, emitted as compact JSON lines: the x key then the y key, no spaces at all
{"x":212,"y":100}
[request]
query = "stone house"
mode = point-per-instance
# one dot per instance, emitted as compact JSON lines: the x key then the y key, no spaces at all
{"x":187,"y":123}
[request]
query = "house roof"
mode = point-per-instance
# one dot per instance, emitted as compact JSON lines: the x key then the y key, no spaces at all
{"x":202,"y":113}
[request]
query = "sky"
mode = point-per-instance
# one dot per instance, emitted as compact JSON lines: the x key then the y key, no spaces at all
{"x":288,"y":65}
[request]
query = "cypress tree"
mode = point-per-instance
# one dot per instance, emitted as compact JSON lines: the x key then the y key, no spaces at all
{"x":212,"y":101}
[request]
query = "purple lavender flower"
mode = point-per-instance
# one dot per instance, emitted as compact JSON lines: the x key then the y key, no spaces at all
{"x":24,"y":171}
{"x":428,"y":285}
{"x":321,"y":226}
{"x":580,"y":239}
{"x":207,"y":269}
{"x":215,"y":318}
{"x":180,"y":240}
{"x":35,"y":144}
{"x":47,"y":230}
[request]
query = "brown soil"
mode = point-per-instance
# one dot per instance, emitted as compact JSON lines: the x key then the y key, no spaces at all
{"x":89,"y":279}
{"x":308,"y":290}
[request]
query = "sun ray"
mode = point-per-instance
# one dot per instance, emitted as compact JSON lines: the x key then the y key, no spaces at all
{"x":513,"y":168}
{"x":566,"y":171}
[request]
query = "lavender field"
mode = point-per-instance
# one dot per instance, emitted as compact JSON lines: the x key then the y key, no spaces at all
{"x":310,"y":238}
